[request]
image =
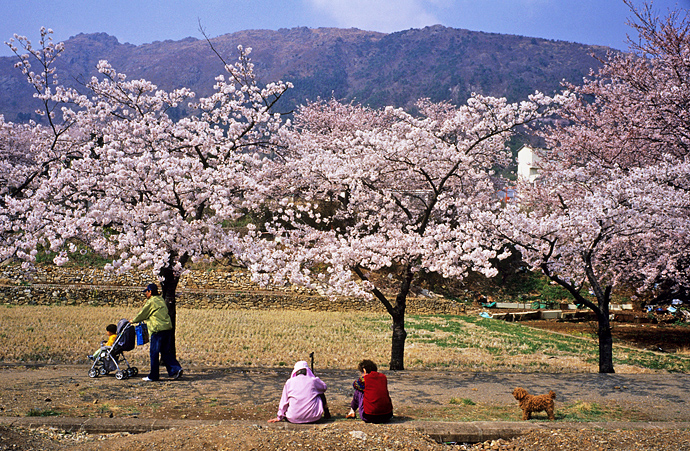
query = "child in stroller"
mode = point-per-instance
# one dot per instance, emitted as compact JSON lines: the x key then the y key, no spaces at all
{"x":111,"y":358}
{"x":111,"y":331}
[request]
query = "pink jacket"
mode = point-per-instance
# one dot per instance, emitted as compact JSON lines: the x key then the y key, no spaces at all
{"x":300,"y":402}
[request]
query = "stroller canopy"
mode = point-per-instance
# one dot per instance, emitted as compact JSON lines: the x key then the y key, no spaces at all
{"x":126,"y":338}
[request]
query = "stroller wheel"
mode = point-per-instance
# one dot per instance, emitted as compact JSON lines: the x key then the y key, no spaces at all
{"x":134,"y":371}
{"x":119,"y":375}
{"x":102,"y":371}
{"x":93,"y":372}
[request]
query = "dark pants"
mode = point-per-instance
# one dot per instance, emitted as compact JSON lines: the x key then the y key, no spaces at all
{"x":161,"y":347}
{"x":358,"y":405}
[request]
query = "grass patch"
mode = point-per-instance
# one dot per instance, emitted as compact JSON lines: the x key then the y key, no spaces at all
{"x":462,"y":401}
{"x":487,"y":344}
{"x":591,"y":411}
{"x":459,"y":410}
{"x":43,"y":413}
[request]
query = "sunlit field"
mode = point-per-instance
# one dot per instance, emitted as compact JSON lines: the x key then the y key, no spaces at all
{"x":257,"y":338}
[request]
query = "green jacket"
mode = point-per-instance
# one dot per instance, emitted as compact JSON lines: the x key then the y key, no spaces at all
{"x":155,"y":314}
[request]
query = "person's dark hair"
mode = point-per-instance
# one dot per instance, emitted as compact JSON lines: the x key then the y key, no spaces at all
{"x":302,"y":372}
{"x":153,"y":288}
{"x":112,"y":328}
{"x":367,"y":365}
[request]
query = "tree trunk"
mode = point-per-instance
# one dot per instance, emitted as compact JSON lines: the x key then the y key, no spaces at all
{"x":398,"y":341}
{"x":605,"y":346}
{"x":601,"y":309}
{"x":604,"y":332}
{"x":602,"y":312}
{"x":168,"y":291}
{"x":169,"y":283}
{"x":397,"y":313}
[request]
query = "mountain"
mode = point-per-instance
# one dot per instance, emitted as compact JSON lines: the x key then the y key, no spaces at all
{"x":371,"y":68}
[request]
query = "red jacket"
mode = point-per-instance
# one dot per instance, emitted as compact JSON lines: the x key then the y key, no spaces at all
{"x":377,"y":401}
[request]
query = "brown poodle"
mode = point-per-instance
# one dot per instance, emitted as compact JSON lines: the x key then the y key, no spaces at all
{"x":530,"y":403}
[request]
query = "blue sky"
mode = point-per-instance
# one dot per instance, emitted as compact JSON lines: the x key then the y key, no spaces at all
{"x":140,"y":21}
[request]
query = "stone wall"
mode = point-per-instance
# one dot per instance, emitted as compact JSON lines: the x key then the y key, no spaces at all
{"x":215,"y":278}
{"x":217,"y":289}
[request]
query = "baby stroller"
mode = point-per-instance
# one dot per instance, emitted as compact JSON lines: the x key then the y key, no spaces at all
{"x":111,"y":358}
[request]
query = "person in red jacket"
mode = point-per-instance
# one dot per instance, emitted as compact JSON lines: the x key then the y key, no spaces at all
{"x":371,"y":398}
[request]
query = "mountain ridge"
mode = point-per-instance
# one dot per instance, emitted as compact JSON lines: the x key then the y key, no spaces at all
{"x":368,"y":67}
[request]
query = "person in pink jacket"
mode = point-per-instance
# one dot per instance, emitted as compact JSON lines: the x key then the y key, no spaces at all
{"x":303,"y":399}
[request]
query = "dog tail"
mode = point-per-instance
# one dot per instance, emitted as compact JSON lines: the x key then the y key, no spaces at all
{"x":552,"y":394}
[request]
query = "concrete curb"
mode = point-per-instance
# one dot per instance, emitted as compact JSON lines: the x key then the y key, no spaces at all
{"x":473,"y":432}
{"x":459,"y":432}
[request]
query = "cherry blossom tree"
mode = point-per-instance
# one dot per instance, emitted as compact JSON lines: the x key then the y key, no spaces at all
{"x":611,"y":205}
{"x":359,"y":192}
{"x":17,"y":171}
{"x":114,"y":171}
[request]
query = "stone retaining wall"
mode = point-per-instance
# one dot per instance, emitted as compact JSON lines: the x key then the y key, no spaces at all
{"x":215,"y":278}
{"x":198,"y":289}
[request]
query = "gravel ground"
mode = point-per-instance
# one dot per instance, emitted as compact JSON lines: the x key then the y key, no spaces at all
{"x":590,"y":440}
{"x":354,"y":436}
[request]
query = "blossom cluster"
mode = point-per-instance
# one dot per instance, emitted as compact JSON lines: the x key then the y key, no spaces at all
{"x":110,"y":168}
{"x":610,"y":206}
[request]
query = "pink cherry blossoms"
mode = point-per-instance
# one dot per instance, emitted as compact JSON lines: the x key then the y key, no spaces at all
{"x":610,"y":207}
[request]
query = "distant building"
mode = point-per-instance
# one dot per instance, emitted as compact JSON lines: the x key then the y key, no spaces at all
{"x":528,"y":162}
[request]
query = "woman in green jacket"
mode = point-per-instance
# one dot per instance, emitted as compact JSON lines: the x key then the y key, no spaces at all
{"x":155,"y":314}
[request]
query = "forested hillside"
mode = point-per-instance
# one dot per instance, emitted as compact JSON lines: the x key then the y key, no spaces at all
{"x":372,"y":68}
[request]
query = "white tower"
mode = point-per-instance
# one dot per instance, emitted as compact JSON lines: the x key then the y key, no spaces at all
{"x":528,"y":164}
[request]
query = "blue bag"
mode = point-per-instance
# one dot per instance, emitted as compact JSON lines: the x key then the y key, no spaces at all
{"x":142,"y":333}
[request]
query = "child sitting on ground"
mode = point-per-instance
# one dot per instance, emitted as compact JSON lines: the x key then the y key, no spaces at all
{"x":111,"y":330}
{"x":371,"y":398}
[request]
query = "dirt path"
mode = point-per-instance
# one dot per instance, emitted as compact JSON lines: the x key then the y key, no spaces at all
{"x":244,"y":393}
{"x":245,"y":398}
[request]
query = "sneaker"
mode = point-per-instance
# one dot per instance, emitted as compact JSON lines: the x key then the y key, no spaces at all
{"x":147,"y":379}
{"x":177,"y":375}
{"x":351,"y":414}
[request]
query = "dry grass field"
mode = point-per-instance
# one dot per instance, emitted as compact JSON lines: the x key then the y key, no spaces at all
{"x":256,"y":338}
